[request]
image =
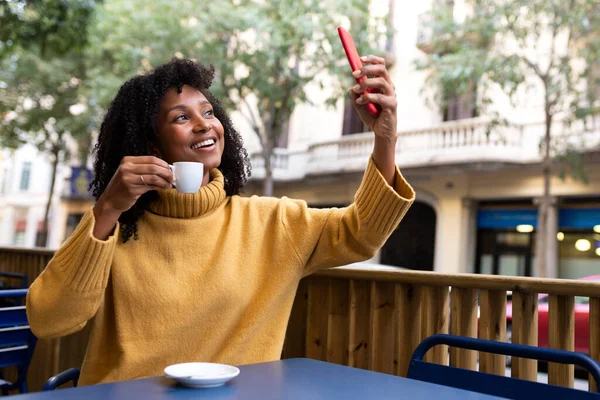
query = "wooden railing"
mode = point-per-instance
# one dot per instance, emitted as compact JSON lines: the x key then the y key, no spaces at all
{"x":374,"y":318}
{"x":51,"y":355}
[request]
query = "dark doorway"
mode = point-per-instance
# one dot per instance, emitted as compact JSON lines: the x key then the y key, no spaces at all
{"x":413,"y":243}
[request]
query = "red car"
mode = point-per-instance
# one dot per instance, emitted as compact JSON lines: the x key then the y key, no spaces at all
{"x":582,"y":320}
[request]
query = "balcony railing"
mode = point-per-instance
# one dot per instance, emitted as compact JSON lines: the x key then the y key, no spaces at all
{"x":373,"y":318}
{"x":465,"y":142}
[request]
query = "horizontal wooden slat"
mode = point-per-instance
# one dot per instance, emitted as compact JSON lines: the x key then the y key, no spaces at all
{"x":473,"y":281}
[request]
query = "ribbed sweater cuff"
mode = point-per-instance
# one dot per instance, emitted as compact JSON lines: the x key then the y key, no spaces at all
{"x":380,"y":206}
{"x":85,"y":261}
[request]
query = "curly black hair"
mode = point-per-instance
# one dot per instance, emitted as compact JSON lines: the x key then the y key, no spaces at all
{"x":130,"y":126}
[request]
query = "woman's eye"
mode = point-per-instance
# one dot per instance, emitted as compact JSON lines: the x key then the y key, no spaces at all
{"x":179,"y":118}
{"x":209,"y":112}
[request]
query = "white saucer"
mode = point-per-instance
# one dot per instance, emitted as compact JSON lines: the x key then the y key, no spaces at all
{"x":201,"y":375}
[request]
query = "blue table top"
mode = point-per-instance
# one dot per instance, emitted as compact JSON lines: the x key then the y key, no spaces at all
{"x":291,"y":379}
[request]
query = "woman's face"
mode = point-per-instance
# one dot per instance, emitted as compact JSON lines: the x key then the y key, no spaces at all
{"x":188,"y":129}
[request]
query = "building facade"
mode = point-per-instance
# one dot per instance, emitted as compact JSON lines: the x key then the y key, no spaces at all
{"x":476,"y":188}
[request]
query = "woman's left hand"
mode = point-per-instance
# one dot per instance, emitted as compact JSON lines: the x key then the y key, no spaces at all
{"x":383,"y":95}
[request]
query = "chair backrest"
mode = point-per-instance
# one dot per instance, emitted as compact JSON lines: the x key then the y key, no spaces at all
{"x":23,"y":282}
{"x":17,"y":342}
{"x":495,"y":384}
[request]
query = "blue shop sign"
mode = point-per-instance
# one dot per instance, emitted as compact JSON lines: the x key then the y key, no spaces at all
{"x":574,"y":218}
{"x":80,"y":182}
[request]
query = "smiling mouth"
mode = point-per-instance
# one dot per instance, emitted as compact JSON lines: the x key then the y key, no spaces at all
{"x":204,"y":145}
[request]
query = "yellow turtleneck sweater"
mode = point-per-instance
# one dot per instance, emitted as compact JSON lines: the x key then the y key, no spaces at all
{"x":211,"y":278}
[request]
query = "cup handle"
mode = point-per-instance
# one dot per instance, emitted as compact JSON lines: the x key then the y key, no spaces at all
{"x":173,"y":170}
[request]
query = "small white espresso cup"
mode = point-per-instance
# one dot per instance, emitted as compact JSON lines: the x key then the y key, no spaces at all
{"x":188,"y":176}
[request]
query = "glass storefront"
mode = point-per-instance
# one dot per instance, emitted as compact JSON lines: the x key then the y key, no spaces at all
{"x":506,"y":240}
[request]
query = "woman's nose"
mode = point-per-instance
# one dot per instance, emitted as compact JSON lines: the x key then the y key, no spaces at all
{"x":202,"y":126}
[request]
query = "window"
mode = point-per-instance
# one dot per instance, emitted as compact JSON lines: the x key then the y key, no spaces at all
{"x":461,"y":106}
{"x":25,"y":175}
{"x":282,"y":140}
{"x":352,"y":122}
{"x":19,"y":239}
{"x":578,"y":252}
{"x":20,"y":216}
{"x":72,"y":221}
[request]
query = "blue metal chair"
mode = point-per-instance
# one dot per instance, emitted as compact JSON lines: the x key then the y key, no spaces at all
{"x":22,"y":278}
{"x":11,"y":280}
{"x":17,"y":342}
{"x":495,"y":384}
{"x":70,"y":375}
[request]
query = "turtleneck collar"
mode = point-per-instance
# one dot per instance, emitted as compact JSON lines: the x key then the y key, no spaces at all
{"x":173,"y":204}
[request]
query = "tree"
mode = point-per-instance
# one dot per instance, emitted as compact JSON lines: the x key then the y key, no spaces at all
{"x":41,"y":50}
{"x":516,"y":45}
{"x":265,"y":53}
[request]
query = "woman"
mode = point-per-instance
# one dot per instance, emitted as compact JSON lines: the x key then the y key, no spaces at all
{"x":166,"y":277}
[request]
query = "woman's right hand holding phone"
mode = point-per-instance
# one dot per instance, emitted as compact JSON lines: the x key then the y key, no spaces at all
{"x":135,"y":176}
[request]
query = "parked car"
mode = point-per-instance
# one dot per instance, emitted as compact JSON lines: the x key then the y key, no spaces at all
{"x":582,"y":320}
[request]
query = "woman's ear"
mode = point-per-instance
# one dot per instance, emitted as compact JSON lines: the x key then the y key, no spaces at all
{"x":153,"y":150}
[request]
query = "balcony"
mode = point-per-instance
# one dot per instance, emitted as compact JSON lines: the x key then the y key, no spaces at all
{"x":465,"y":142}
{"x":425,"y":34}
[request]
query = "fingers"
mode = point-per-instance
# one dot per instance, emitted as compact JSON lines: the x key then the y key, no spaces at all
{"x":378,"y":84}
{"x":378,"y":70}
{"x":147,"y":166}
{"x":150,"y":180}
{"x":386,"y":102}
{"x":362,"y":111}
{"x":145,"y":160}
{"x":150,"y":170}
{"x":379,"y":89}
{"x":371,"y":59}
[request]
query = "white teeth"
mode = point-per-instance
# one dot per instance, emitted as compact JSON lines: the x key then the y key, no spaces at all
{"x":208,"y":142}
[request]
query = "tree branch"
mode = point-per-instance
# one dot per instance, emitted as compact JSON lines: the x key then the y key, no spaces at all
{"x":252,"y":120}
{"x":535,"y":68}
{"x":552,"y":42}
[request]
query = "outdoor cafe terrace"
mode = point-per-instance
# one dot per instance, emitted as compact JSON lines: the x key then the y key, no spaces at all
{"x":373,"y":318}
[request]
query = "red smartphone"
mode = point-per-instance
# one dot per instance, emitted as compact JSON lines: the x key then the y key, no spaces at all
{"x":355,"y":64}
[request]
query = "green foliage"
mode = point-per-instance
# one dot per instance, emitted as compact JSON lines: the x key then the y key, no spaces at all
{"x":510,"y":44}
{"x":263,"y":52}
{"x":54,"y":27}
{"x":42,"y":73}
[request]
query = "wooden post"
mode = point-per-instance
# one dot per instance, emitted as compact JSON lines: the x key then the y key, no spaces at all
{"x":435,"y":320}
{"x":492,"y":326}
{"x":360,"y":311}
{"x":317,"y":319}
{"x":525,"y":331}
{"x":338,"y":322}
{"x":463,"y":322}
{"x":594,"y":336}
{"x":408,"y":323}
{"x":381,"y":355}
{"x":295,"y":335}
{"x":561,"y":335}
